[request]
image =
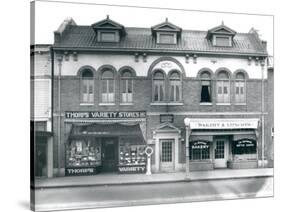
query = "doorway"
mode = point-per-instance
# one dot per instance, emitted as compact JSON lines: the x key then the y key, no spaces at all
{"x":221,"y":150}
{"x":41,"y":157}
{"x":109,"y":154}
{"x":167,"y":155}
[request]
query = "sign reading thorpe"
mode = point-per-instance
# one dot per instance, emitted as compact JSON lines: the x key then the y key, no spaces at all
{"x":104,"y":115}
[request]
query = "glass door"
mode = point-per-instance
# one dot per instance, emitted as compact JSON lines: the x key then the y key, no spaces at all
{"x":220,"y":153}
{"x":167,"y":154}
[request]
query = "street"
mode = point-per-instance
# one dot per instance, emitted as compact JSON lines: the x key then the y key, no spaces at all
{"x":124,"y":195}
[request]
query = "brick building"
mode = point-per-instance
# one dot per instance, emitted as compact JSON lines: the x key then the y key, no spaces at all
{"x":198,"y":98}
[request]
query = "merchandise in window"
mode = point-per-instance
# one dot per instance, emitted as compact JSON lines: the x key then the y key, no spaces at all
{"x":83,"y":153}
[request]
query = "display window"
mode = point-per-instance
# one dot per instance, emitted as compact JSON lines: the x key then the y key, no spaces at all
{"x":245,"y":149}
{"x":199,"y":150}
{"x":131,"y":154}
{"x":83,"y":153}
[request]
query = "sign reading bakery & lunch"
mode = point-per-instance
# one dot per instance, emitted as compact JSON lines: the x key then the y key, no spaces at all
{"x":222,"y":123}
{"x":104,"y":115}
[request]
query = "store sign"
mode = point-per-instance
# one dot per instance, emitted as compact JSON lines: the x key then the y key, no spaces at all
{"x":245,"y":143}
{"x":166,"y":118}
{"x":80,"y":171}
{"x":104,"y":115}
{"x":200,"y":145}
{"x":132,"y":169}
{"x":222,"y":123}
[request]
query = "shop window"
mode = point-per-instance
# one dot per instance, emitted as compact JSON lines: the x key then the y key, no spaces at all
{"x":244,"y":149}
{"x":223,"y":87}
{"x":158,"y":86}
{"x":107,"y":81}
{"x":131,"y":153}
{"x":199,"y":150}
{"x":240,"y":88}
{"x":175,"y":87}
{"x":205,"y":78}
{"x":127,"y":87}
{"x":83,"y":153}
{"x":87,"y":86}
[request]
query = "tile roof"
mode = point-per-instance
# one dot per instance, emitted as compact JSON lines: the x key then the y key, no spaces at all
{"x":83,"y":37}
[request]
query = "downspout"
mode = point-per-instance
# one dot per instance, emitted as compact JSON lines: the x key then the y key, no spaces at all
{"x":59,"y":112}
{"x":262,"y":111}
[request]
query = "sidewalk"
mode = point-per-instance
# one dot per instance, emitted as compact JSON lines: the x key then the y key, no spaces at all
{"x":127,"y":179}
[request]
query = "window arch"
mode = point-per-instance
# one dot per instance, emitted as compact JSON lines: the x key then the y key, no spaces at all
{"x":223,"y":87}
{"x":206,"y":93}
{"x":240,"y":87}
{"x":158,"y":85}
{"x":87,"y":85}
{"x":107,"y":86}
{"x":126,"y":86}
{"x":175,"y":94}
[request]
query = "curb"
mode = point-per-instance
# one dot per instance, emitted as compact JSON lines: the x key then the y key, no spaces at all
{"x":145,"y":182}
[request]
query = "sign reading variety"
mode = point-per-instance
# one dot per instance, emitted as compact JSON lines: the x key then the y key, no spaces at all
{"x":223,"y":123}
{"x":105,"y":115}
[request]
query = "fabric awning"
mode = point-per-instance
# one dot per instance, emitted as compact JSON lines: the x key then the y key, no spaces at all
{"x":107,"y":130}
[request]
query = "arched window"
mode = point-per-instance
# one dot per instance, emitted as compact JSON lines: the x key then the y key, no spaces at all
{"x":223,"y":87}
{"x":175,"y":87}
{"x":240,"y":88}
{"x":126,"y":86}
{"x":206,"y":92}
{"x":158,"y":86}
{"x":87,"y":86}
{"x":107,"y":81}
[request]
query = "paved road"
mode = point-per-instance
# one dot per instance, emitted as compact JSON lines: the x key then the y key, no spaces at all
{"x":104,"y":196}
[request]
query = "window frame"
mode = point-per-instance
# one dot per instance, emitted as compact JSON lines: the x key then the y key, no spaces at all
{"x":223,"y":81}
{"x":159,"y":82}
{"x":116,"y":36}
{"x":201,"y":153}
{"x":158,"y":39}
{"x":222,"y":36}
{"x":209,"y":81}
{"x":237,"y":97}
{"x":126,"y":80}
{"x":107,"y":80}
{"x":89,"y":82}
{"x":177,"y":84}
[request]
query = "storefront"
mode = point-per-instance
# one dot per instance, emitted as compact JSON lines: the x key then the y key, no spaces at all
{"x":221,"y":143}
{"x":105,"y":142}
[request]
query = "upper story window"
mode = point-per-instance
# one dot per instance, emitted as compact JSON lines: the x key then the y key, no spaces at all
{"x":175,"y":87}
{"x":222,"y":40}
{"x":108,"y":36}
{"x":107,"y":86}
{"x":127,"y":86}
{"x":240,"y":88}
{"x":87,"y":86}
{"x":166,"y":38}
{"x":158,"y":88}
{"x":206,"y":92}
{"x":223,"y":87}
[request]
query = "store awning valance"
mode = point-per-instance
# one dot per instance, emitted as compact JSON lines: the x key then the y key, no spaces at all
{"x":107,"y":130}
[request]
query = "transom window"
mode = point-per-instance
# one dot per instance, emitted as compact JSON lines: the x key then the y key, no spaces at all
{"x":205,"y":87}
{"x":223,"y":87}
{"x":87,"y":86}
{"x":107,"y":81}
{"x":175,"y":87}
{"x":127,"y":87}
{"x":240,"y":88}
{"x":158,"y":86}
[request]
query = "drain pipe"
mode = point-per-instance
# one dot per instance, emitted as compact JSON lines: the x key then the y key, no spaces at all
{"x":262,"y":110}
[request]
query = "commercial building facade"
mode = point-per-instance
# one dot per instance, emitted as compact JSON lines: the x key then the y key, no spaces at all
{"x":198,"y":98}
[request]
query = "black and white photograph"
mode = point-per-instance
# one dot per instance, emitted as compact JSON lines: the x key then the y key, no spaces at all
{"x":135,"y":106}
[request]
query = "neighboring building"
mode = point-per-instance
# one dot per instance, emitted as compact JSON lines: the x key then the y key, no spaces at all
{"x":41,"y":113}
{"x":119,"y":89}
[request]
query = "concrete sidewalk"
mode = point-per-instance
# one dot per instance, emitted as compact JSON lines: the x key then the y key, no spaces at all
{"x":127,"y":179}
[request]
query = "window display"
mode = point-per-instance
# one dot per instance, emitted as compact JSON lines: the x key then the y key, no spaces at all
{"x":83,"y":153}
{"x":245,"y":149}
{"x":132,"y":154}
{"x":200,"y":150}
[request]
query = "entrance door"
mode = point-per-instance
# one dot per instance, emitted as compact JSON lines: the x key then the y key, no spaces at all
{"x":41,"y":157}
{"x":221,"y":153}
{"x":109,"y":154}
{"x":167,"y":154}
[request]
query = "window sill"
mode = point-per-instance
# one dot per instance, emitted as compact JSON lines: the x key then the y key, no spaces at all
{"x":240,"y":104}
{"x":175,"y":103}
{"x":158,"y":103}
{"x":106,"y":104}
{"x":223,"y":104}
{"x":126,"y":103}
{"x":206,"y":103}
{"x":86,"y":104}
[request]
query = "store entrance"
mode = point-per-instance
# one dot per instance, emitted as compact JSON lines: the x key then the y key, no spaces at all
{"x":221,"y":151}
{"x":41,"y":157}
{"x":109,"y":154}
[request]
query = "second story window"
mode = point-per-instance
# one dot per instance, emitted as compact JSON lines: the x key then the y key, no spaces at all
{"x":240,"y":88}
{"x":107,"y":88}
{"x":158,"y":88}
{"x":87,"y":86}
{"x":175,"y":87}
{"x":126,"y":87}
{"x":206,"y":94}
{"x":223,"y":87}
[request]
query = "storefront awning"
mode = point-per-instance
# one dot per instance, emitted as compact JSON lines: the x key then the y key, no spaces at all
{"x":107,"y":130}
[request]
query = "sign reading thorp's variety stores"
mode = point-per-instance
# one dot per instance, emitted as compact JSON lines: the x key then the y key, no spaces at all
{"x":104,"y":115}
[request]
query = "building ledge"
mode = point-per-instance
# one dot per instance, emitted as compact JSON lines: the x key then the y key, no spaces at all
{"x":86,"y":104}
